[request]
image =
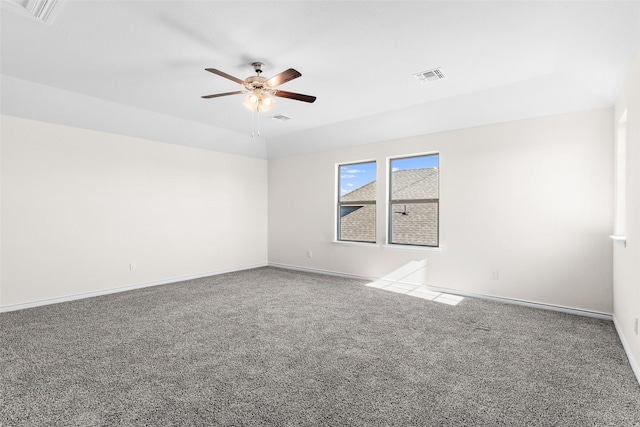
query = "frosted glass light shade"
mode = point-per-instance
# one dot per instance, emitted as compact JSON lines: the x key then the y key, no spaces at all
{"x":258,"y":101}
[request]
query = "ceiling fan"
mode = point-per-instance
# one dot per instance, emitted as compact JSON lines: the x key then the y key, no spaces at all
{"x":259,"y":88}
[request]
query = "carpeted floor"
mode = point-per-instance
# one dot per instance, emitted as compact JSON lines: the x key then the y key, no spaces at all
{"x":285,"y":348}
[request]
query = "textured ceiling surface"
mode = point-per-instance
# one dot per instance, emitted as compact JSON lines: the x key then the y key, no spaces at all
{"x":137,"y":67}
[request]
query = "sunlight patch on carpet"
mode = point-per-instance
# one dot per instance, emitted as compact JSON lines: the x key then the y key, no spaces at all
{"x":417,"y":291}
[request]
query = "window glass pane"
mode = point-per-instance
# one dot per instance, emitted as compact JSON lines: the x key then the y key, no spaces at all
{"x":415,"y":223}
{"x":621,"y":177}
{"x":357,"y":202}
{"x":359,"y":225}
{"x":414,"y":178}
{"x":358,"y":182}
{"x":414,"y":195}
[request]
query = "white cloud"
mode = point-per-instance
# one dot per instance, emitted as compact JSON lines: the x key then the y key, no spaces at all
{"x":354,"y":171}
{"x":395,"y":169}
{"x":349,"y":184}
{"x":347,"y":176}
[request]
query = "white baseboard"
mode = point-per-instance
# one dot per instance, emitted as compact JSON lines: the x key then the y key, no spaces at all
{"x":533,"y":304}
{"x":38,"y":303}
{"x":320,"y":271}
{"x":627,"y":348}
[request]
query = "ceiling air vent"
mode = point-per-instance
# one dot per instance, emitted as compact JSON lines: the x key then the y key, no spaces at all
{"x":280,"y":118}
{"x":43,"y":10}
{"x":429,"y":75}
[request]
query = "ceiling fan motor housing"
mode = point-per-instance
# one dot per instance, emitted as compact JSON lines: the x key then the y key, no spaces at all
{"x":255,"y":82}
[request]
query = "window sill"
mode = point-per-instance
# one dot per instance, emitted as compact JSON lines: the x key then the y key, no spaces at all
{"x":620,"y":239}
{"x":347,"y":243}
{"x":388,"y":246}
{"x":414,"y":248}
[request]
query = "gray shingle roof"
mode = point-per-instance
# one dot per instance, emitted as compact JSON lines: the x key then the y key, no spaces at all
{"x":405,"y":184}
{"x":366,"y":192}
{"x":418,"y":227}
{"x":414,"y":184}
{"x":359,"y":225}
{"x":412,"y":223}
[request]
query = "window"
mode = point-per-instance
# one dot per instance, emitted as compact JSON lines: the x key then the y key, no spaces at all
{"x":357,"y":202}
{"x":414,"y":200}
{"x":621,"y":177}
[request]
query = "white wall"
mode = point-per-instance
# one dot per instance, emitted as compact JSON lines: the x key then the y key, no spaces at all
{"x":530,"y":198}
{"x":78,"y":206}
{"x":626,"y":260}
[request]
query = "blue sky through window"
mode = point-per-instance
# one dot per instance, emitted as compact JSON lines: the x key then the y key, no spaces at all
{"x":356,"y":175}
{"x":422,"y":162}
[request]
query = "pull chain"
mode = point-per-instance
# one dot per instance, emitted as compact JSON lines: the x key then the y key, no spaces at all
{"x":252,"y":124}
{"x":255,"y":131}
{"x":258,"y":113}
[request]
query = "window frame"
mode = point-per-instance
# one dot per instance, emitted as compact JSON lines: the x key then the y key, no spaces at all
{"x":340,"y":203}
{"x":391,"y":202}
{"x":619,"y":224}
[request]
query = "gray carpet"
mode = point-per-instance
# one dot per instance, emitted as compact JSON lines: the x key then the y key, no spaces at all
{"x":277,"y":347}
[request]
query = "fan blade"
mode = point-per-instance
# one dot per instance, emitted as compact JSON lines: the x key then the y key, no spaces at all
{"x":283,"y":77}
{"x":225,"y":75}
{"x":223,"y":94}
{"x":296,"y":96}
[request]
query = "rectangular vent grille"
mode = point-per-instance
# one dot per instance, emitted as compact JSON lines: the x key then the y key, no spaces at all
{"x":429,"y":75}
{"x":43,"y":10}
{"x":281,"y":118}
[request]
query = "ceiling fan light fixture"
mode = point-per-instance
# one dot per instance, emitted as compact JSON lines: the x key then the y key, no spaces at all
{"x":266,"y":103}
{"x":250,"y":101}
{"x":259,"y":101}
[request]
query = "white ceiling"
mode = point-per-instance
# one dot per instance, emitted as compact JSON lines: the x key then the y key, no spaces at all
{"x":137,"y":67}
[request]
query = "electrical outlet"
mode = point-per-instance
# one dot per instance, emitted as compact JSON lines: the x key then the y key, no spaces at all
{"x":132,"y":266}
{"x":209,"y":256}
{"x":494,"y":275}
{"x":309,"y":254}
